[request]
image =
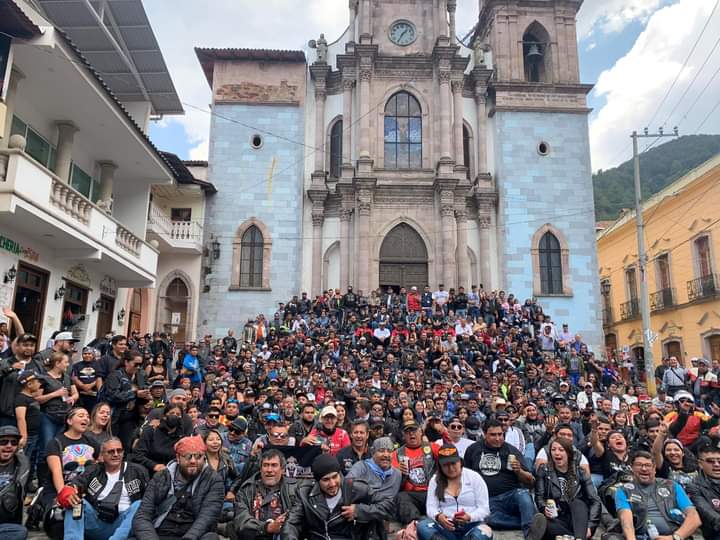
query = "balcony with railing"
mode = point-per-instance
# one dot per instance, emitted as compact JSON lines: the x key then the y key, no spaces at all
{"x":174,"y":235}
{"x":40,"y":203}
{"x":630,"y":310}
{"x":607,"y":316}
{"x":703,"y":287}
{"x":662,"y":299}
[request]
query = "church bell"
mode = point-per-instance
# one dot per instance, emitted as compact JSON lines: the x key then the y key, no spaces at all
{"x":534,"y":54}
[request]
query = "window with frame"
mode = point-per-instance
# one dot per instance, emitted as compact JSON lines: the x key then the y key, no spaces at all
{"x":403,"y":132}
{"x":251,"y":258}
{"x":336,"y":149}
{"x":551,"y":280}
{"x":631,"y":283}
{"x":703,"y":256}
{"x":36,"y":146}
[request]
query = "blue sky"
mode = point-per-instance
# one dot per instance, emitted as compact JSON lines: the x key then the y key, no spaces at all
{"x":632,"y":50}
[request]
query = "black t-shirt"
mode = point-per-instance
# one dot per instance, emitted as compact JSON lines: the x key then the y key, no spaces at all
{"x":57,"y":407}
{"x":610,"y":464}
{"x":492,"y":464}
{"x":75,"y":455}
{"x":7,"y":473}
{"x":32,"y":412}
{"x":86,"y":372}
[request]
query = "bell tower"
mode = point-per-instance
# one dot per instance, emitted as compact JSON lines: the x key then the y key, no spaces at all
{"x":539,"y":156}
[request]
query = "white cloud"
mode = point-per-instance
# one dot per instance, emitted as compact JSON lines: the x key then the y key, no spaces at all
{"x":610,"y":16}
{"x":180,"y":25}
{"x":634,"y":87}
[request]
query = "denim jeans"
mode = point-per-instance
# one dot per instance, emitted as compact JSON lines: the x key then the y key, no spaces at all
{"x":513,"y":509}
{"x":529,"y":455}
{"x":31,"y":451}
{"x":13,"y":531}
{"x":48,"y":431}
{"x":427,"y":528}
{"x":94,"y":528}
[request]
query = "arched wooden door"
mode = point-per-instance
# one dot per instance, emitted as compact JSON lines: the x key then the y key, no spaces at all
{"x":403,"y":259}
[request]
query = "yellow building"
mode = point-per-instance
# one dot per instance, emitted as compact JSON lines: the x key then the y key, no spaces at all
{"x":682,"y":239}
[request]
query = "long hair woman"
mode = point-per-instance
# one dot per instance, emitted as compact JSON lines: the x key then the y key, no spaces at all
{"x":672,"y":460}
{"x":100,"y":430}
{"x":561,"y":480}
{"x":457,"y":501}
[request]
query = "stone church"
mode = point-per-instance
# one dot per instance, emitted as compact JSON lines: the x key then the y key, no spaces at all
{"x":397,"y":155}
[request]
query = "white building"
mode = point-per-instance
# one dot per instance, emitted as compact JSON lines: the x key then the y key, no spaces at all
{"x":76,"y":166}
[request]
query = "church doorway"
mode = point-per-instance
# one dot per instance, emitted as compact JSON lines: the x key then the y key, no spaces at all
{"x":175,"y":310}
{"x":403,"y":259}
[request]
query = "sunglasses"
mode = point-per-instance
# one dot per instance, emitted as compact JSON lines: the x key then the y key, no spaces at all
{"x":455,"y":426}
{"x":711,"y":461}
{"x":114,"y":451}
{"x":11,"y":442}
{"x":279,"y":435}
{"x":213,"y":416}
{"x":684,"y":400}
{"x":196,"y":456}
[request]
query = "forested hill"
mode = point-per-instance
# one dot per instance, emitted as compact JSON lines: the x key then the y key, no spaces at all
{"x":659,"y":166}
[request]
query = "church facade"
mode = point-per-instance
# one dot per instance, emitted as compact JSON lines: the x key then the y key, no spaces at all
{"x":398,"y":156}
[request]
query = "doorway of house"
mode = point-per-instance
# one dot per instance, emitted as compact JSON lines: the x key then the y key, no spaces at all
{"x":403,"y":259}
{"x":30,"y":295}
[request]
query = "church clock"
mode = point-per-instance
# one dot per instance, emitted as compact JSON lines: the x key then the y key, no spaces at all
{"x":402,"y":33}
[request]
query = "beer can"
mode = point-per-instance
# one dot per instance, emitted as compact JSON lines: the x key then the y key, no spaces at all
{"x":552,"y":507}
{"x":510,"y":460}
{"x":405,"y":460}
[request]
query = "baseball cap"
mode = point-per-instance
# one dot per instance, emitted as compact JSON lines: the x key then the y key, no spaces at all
{"x":240,"y":424}
{"x":410,"y":425}
{"x":328,"y":411}
{"x":272,"y":417}
{"x":448,"y":454}
{"x":9,"y":431}
{"x":682,"y":394}
{"x":26,"y":376}
{"x":157,"y":384}
{"x":65,"y":336}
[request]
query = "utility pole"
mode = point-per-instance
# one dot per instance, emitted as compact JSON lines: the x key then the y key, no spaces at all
{"x":642,"y":258}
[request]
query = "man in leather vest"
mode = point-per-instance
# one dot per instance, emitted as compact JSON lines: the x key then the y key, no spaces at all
{"x":183,"y":501}
{"x":416,"y":461}
{"x":14,"y":470}
{"x":650,"y":507}
{"x":110,"y":493}
{"x":704,"y":491}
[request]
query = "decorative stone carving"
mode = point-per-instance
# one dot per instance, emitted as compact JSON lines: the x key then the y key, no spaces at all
{"x":365,"y":75}
{"x":484,"y":221}
{"x":447,"y":211}
{"x":317,"y":219}
{"x":345,"y":214}
{"x":461,"y":215}
{"x":457,"y":86}
{"x":348,"y":84}
{"x":79,"y":274}
{"x":444,"y":77}
{"x":248,"y":92}
{"x":321,"y":46}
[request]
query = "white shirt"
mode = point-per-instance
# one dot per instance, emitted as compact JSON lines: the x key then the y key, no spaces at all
{"x":462,"y":445}
{"x":461,"y":330}
{"x":440,"y":297}
{"x":542,"y":458}
{"x":473,"y":498}
{"x":381,"y":333}
{"x":514,"y":437}
{"x":112,"y":479}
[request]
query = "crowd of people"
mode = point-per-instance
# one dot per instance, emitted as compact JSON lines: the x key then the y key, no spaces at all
{"x":433,"y":415}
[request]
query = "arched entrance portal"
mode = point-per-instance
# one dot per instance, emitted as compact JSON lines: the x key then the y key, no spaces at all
{"x":175,"y":310}
{"x":403,"y":259}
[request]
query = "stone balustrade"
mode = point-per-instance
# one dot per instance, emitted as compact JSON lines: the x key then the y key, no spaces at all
{"x":186,"y":230}
{"x":70,"y":201}
{"x":127,"y":240}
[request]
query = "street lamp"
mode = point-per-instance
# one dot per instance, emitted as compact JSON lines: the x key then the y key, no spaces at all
{"x":121,"y":316}
{"x":605,"y":288}
{"x":10,"y":275}
{"x":215,"y":249}
{"x":60,"y":292}
{"x":97,"y":305}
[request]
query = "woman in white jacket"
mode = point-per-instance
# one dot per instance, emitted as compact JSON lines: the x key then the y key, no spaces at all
{"x":457,"y":502}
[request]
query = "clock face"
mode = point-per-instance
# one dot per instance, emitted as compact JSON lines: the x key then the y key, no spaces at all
{"x":402,"y":33}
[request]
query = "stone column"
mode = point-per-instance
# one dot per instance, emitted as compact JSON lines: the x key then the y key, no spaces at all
{"x":462,"y":255}
{"x":364,"y":205}
{"x":347,"y":121}
{"x":107,"y":175}
{"x":447,"y":222}
{"x":480,"y":135}
{"x":15,"y":77}
{"x":345,"y":215}
{"x":352,"y":5}
{"x":517,"y":61}
{"x":457,"y":88}
{"x":317,"y":257}
{"x":364,"y":113}
{"x":320,"y":94}
{"x":63,"y":157}
{"x":485,"y":206}
{"x":451,"y":7}
{"x":445,"y":133}
{"x":365,"y":26}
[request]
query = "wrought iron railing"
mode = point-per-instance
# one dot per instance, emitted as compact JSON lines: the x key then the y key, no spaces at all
{"x":630,"y":310}
{"x":662,"y":299}
{"x":703,"y":287}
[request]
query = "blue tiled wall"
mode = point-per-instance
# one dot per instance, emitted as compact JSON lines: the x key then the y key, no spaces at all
{"x":241,"y":175}
{"x":555,"y":189}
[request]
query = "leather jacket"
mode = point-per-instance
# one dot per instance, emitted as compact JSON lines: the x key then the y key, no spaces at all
{"x":547,"y":486}
{"x":704,"y":494}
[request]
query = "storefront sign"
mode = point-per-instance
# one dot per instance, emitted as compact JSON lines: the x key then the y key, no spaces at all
{"x":108,"y":286}
{"x":14,"y":247}
{"x":79,"y":274}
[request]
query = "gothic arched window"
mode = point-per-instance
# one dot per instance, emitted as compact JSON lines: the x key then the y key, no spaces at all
{"x":403,"y":132}
{"x":336,"y":149}
{"x":251,"y":258}
{"x":551,"y":279}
